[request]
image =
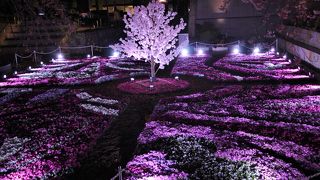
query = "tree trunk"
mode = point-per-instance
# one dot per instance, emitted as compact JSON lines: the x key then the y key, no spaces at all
{"x":153,"y":72}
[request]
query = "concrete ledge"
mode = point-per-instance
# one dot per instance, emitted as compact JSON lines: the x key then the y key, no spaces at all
{"x":306,"y":55}
{"x":311,"y":38}
{"x":301,"y":43}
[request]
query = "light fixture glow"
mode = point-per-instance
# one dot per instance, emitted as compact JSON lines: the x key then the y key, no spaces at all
{"x":256,"y":50}
{"x":184,"y":53}
{"x":151,"y":86}
{"x":176,"y":78}
{"x":115,"y":54}
{"x":41,"y":63}
{"x":15,"y":72}
{"x":132,"y":79}
{"x":4,"y":76}
{"x":200,"y":52}
{"x":272,"y":50}
{"x":60,"y":56}
{"x":30,"y":67}
{"x":88,"y":56}
{"x":235,"y":51}
{"x":284,"y":57}
{"x":278,"y":53}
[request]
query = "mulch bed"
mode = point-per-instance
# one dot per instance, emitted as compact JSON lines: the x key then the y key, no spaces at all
{"x":145,"y":86}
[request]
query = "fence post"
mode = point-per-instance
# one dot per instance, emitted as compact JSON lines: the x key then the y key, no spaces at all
{"x":59,"y":49}
{"x":277,"y":45}
{"x":120,"y":172}
{"x":35,"y":56}
{"x":238,"y":43}
{"x":16,"y":58}
{"x":91,"y":50}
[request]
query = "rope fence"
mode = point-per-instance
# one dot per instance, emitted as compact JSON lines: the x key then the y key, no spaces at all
{"x":199,"y":44}
{"x":218,"y":45}
{"x":60,"y":50}
{"x":196,"y":44}
{"x":119,"y":174}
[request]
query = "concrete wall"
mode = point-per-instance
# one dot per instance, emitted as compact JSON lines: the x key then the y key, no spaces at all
{"x":240,"y":20}
{"x":302,"y":43}
{"x":101,"y":37}
{"x":302,"y":35}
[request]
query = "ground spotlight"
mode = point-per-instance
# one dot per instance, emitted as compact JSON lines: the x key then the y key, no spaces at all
{"x":278,"y":53}
{"x":132,"y":79}
{"x":41,"y":63}
{"x":184,"y":53}
{"x":151,"y":86}
{"x":15,"y":72}
{"x":88,"y":56}
{"x":176,"y":78}
{"x":30,"y":67}
{"x":284,"y":57}
{"x":256,"y":50}
{"x":60,"y":56}
{"x":272,"y":50}
{"x":115,"y":54}
{"x":236,"y":50}
{"x":200,"y":52}
{"x":4,"y":76}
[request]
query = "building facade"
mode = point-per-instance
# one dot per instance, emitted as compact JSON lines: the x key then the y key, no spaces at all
{"x":115,"y":9}
{"x":238,"y":21}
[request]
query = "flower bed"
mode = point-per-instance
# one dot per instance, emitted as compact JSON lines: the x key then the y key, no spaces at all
{"x":241,"y":68}
{"x":195,"y":66}
{"x":262,"y":131}
{"x":82,"y":71}
{"x":161,"y":85}
{"x":43,"y":133}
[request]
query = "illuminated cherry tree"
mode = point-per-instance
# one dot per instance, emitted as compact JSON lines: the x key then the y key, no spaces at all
{"x":150,"y":36}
